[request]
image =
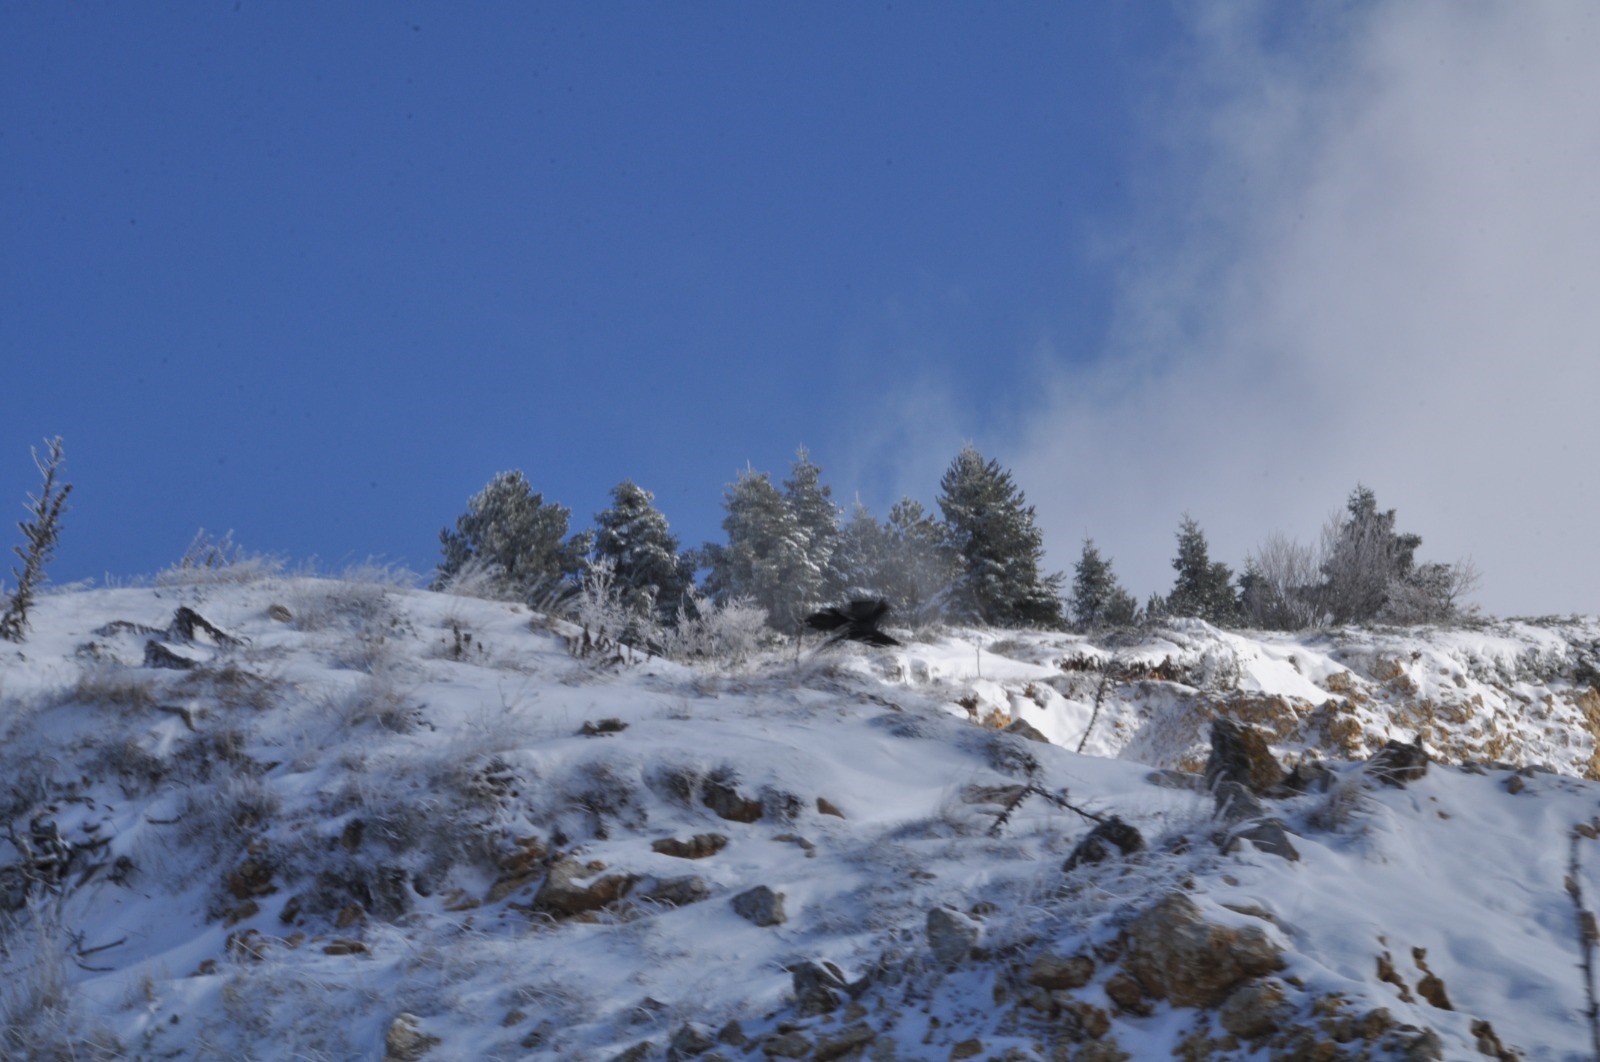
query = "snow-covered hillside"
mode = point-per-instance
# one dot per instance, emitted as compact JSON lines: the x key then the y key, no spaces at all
{"x":314,"y":818}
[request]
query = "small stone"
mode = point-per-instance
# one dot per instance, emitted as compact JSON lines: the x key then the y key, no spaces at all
{"x":344,"y":946}
{"x":1399,"y":764}
{"x":690,"y":1040}
{"x":828,"y":807}
{"x":951,"y":935}
{"x":565,"y":893}
{"x":732,"y":1034}
{"x":727,"y":803}
{"x":966,"y":1049}
{"x":1101,"y":1051}
{"x":1515,"y":784}
{"x":279,"y":613}
{"x":1268,"y":835}
{"x":1098,"y":843}
{"x":760,"y":906}
{"x":678,"y":892}
{"x":1240,"y":754}
{"x":604,"y":726}
{"x":843,"y":1042}
{"x":700,"y":846}
{"x":405,"y":1041}
{"x":789,"y":1045}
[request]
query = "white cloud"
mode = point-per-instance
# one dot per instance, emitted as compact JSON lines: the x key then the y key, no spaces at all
{"x":1385,"y":267}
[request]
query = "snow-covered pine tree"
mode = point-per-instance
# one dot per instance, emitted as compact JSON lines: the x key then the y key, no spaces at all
{"x":766,"y":557}
{"x":861,"y":556}
{"x":649,"y":574}
{"x":1203,"y":588}
{"x":811,"y":502}
{"x":991,"y":528}
{"x":1098,"y":600}
{"x":919,"y":564}
{"x":510,"y":531}
{"x":1370,"y":571}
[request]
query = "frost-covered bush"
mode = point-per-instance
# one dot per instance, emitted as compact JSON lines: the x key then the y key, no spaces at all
{"x":42,"y":534}
{"x":727,"y":635}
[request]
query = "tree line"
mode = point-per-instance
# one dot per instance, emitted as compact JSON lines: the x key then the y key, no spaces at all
{"x":791,"y":549}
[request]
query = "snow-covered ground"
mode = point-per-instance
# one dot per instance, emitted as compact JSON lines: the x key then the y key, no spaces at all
{"x":375,"y":821}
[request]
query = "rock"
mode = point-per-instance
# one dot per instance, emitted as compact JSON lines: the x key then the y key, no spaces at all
{"x":678,"y":892}
{"x":1515,"y":784}
{"x":565,"y":893}
{"x":727,"y":803}
{"x":1022,"y":728}
{"x":637,"y":1053}
{"x":700,"y":846}
{"x":760,"y":906}
{"x":1123,"y":989}
{"x":1097,"y":845}
{"x":1268,"y":835}
{"x":1430,"y":987}
{"x":344,"y":946}
{"x":1309,"y":776}
{"x":843,"y":1042}
{"x":279,"y":613}
{"x":158,"y":655}
{"x":690,"y":1040}
{"x":1177,"y":955}
{"x":732,"y":1034}
{"x":1240,"y":754}
{"x":817,"y":989}
{"x":1236,"y":803}
{"x":1255,"y":1009}
{"x":951,"y":936}
{"x":188,"y":625}
{"x":1170,"y":779}
{"x":405,"y":1041}
{"x":789,"y":1045}
{"x":828,"y":807}
{"x":966,"y":1049}
{"x":604,"y":726}
{"x":1053,"y":973}
{"x":1100,"y":1051}
{"x":1399,"y":764}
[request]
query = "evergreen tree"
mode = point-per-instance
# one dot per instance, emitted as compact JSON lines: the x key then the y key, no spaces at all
{"x":650,"y":575}
{"x":919,"y":564}
{"x":992,"y":529}
{"x":766,"y":557}
{"x":811,"y":502}
{"x":1366,"y":560}
{"x":1203,"y":588}
{"x":862,"y":556}
{"x":1097,"y":598}
{"x":512,"y":533}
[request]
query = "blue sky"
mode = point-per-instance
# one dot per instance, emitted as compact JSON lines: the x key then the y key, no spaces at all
{"x":314,"y":274}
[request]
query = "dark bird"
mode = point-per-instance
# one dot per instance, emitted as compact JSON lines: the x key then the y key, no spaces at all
{"x":855,"y":622}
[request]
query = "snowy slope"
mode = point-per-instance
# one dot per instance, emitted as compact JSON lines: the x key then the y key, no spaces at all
{"x":364,"y":801}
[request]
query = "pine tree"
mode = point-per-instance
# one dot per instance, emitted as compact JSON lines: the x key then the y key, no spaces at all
{"x":992,"y":529}
{"x":811,"y":502}
{"x":510,"y":531}
{"x":1203,"y":588}
{"x":1098,"y":600}
{"x":862,"y":556}
{"x":650,"y":575}
{"x":766,"y":558}
{"x":1366,"y":560}
{"x":919,"y":564}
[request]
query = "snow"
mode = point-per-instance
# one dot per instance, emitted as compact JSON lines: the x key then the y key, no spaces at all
{"x":389,"y":730}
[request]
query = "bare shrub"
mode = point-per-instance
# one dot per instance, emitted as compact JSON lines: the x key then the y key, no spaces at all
{"x":376,"y":698}
{"x":1280,"y":585}
{"x":39,"y":1015}
{"x":213,"y":560}
{"x":42,"y":534}
{"x":112,"y":686}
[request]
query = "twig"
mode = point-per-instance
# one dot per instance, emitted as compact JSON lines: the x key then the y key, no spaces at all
{"x":1032,"y":789}
{"x":1099,"y":698}
{"x":1588,"y":936}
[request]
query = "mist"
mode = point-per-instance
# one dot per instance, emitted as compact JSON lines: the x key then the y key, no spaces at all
{"x":1382,"y":266}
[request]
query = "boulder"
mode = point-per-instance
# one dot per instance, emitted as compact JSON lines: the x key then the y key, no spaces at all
{"x":567,"y":892}
{"x":729,"y":804}
{"x":1178,"y":955}
{"x":678,"y":892}
{"x":405,"y":1041}
{"x":700,"y":846}
{"x":1240,"y":754}
{"x":1399,"y":764}
{"x":1255,"y":1009}
{"x":1054,"y":973}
